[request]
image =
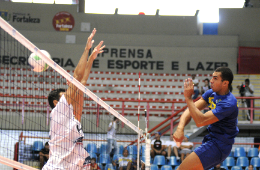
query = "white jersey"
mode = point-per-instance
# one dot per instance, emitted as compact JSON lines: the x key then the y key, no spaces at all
{"x":112,"y":133}
{"x":170,"y":143}
{"x":66,"y":147}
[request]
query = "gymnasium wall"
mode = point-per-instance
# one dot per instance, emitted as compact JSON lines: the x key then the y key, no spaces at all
{"x":152,"y":44}
{"x":243,"y":23}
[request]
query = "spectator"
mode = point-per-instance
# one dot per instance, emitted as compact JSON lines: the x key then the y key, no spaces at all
{"x":250,"y":167}
{"x":157,"y":147}
{"x":111,"y":136}
{"x":186,"y":147}
{"x":259,"y":151}
{"x":44,"y":155}
{"x":247,"y":90}
{"x":217,"y":167}
{"x":171,"y":145}
{"x":94,"y":165}
{"x":206,"y":86}
{"x":125,"y":163}
{"x":196,"y":86}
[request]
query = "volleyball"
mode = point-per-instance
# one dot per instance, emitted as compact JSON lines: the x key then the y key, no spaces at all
{"x":36,"y":63}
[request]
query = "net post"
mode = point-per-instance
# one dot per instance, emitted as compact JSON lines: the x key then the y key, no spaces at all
{"x":138,"y":151}
{"x":147,"y":150}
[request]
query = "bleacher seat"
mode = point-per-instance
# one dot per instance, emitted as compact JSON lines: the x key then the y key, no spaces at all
{"x":142,"y":150}
{"x":132,"y":149}
{"x":133,"y":157}
{"x":236,"y":168}
{"x":103,"y":149}
{"x":159,"y":160}
{"x":37,"y":146}
{"x":239,"y":152}
{"x":231,"y":154}
{"x":229,"y":161}
{"x":109,"y":167}
{"x":100,"y":166}
{"x":93,"y":155}
{"x":143,"y":159}
{"x":173,"y":161}
{"x":104,"y":159}
{"x":154,"y":167}
{"x":224,"y":167}
{"x":242,"y":161}
{"x":166,"y":167}
{"x":252,"y":152}
{"x":176,"y":167}
{"x":92,"y":148}
{"x":255,"y":162}
{"x":120,"y":149}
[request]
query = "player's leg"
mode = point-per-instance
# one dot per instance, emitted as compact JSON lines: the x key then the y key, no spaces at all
{"x":109,"y":145}
{"x":175,"y":150}
{"x":193,"y":160}
{"x":115,"y":146}
{"x":169,"y":151}
{"x":182,"y":157}
{"x":41,"y":161}
{"x":164,"y":153}
{"x":210,"y":153}
{"x":129,"y":164}
{"x":152,"y":153}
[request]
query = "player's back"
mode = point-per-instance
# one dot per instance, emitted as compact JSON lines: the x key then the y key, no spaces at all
{"x":66,"y":147}
{"x":227,"y":112}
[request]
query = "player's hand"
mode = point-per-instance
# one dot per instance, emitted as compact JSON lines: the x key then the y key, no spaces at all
{"x":90,"y":41}
{"x":188,"y":88}
{"x":97,"y":50}
{"x":68,"y":83}
{"x":178,"y":136}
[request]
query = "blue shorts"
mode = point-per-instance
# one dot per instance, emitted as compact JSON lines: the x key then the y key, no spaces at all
{"x":212,"y":151}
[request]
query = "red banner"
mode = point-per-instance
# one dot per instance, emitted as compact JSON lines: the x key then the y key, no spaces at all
{"x":249,"y":60}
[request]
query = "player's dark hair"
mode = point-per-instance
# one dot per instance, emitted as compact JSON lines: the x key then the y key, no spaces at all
{"x":47,"y":144}
{"x":125,"y":150}
{"x":247,"y":80}
{"x":226,"y":75}
{"x":115,"y":118}
{"x":54,"y":95}
{"x":93,"y":159}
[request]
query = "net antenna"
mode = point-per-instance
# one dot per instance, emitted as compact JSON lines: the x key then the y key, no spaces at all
{"x":138,"y":140}
{"x":26,"y":43}
{"x":147,"y":144}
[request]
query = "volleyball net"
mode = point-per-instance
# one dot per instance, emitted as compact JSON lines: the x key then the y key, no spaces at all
{"x":25,"y":115}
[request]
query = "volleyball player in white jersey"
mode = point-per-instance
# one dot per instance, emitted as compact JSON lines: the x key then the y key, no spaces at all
{"x":66,"y":147}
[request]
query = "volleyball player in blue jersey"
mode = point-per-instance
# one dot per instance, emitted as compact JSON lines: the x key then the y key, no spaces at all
{"x":221,"y":118}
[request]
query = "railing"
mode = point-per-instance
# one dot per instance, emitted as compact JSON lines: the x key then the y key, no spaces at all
{"x":174,"y":112}
{"x":23,"y":138}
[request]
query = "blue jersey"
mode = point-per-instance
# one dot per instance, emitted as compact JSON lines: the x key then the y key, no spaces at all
{"x":224,"y":107}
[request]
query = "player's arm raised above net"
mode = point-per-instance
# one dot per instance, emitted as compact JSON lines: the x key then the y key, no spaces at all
{"x":76,"y":94}
{"x":80,"y":68}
